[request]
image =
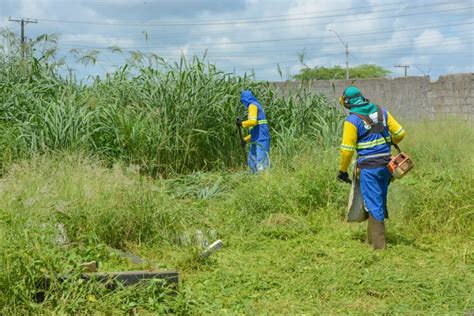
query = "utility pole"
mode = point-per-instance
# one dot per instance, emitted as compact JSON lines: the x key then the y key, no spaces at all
{"x":403,"y":66}
{"x":346,"y":45}
{"x":23,"y":23}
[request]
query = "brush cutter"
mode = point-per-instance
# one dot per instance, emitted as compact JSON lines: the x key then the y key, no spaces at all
{"x":400,"y":164}
{"x":242,"y":142}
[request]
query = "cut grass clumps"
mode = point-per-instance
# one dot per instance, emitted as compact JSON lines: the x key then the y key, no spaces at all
{"x":287,"y":247}
{"x":100,"y":209}
{"x":30,"y":253}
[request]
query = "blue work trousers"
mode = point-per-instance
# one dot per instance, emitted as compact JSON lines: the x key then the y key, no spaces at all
{"x":259,"y":156}
{"x":374,"y":188}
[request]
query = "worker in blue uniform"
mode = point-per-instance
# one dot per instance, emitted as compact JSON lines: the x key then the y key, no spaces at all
{"x":259,"y":133}
{"x":369,"y":130}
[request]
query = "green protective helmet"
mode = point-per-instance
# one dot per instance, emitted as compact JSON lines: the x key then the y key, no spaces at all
{"x":352,"y":96}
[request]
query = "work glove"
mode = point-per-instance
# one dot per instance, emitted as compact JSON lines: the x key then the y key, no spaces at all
{"x":344,"y":177}
{"x":238,"y":121}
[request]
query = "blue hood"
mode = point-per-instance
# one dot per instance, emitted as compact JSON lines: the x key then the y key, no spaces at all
{"x":247,"y":97}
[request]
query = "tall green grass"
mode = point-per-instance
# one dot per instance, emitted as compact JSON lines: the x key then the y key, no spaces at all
{"x":440,"y":194}
{"x":167,"y":118}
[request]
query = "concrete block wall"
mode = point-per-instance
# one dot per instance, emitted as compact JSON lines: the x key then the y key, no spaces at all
{"x":411,"y":98}
{"x":453,"y":95}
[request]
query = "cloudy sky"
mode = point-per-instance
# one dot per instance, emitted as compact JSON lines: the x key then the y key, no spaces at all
{"x":432,"y":37}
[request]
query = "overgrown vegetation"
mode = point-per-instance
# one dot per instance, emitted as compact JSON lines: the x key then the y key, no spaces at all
{"x":167,"y":118}
{"x":84,"y":157}
{"x":365,"y":71}
{"x":287,"y":246}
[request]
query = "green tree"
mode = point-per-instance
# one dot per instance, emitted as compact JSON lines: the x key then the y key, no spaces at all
{"x":338,"y":72}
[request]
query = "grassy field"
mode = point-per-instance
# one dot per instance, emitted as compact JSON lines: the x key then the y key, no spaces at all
{"x":287,"y":247}
{"x":146,"y":160}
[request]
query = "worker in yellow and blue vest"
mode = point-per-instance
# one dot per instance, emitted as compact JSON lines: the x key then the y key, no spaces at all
{"x":369,"y":130}
{"x":259,"y":133}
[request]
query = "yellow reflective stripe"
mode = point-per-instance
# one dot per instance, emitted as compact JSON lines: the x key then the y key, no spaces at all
{"x":347,"y":147}
{"x":400,"y":130}
{"x":252,"y":118}
{"x":259,"y":123}
{"x":373,"y":143}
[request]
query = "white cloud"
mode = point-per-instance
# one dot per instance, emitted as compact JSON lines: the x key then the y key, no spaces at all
{"x":34,"y":8}
{"x":96,"y":39}
{"x":435,"y":41}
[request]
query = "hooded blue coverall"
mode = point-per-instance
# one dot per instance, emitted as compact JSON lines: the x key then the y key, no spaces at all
{"x":258,"y":157}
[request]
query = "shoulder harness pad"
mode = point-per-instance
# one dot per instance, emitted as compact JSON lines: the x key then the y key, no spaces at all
{"x":375,"y":128}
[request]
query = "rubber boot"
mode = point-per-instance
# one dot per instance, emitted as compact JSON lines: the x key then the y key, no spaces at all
{"x":377,"y":233}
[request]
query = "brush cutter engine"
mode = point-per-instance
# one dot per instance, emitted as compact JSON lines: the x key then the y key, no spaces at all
{"x":400,"y":165}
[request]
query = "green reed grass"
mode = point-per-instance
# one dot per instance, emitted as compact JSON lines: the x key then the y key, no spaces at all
{"x":168,"y":118}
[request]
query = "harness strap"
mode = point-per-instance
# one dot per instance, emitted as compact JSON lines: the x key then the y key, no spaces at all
{"x":376,"y":159}
{"x":374,"y":127}
{"x":396,"y":147}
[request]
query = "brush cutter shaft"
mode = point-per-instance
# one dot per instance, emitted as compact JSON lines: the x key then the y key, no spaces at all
{"x":242,"y":141}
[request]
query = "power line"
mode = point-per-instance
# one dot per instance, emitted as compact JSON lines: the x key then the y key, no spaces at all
{"x":253,"y":64}
{"x":421,"y":70}
{"x":257,"y":50}
{"x":252,"y":67}
{"x":287,"y":39}
{"x":423,"y":54}
{"x":346,"y":46}
{"x":421,"y":44}
{"x":246,"y":19}
{"x":250,"y":22}
{"x":287,"y":59}
{"x":213,"y":22}
{"x":194,"y":33}
{"x":270,"y":49}
{"x":366,"y":51}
